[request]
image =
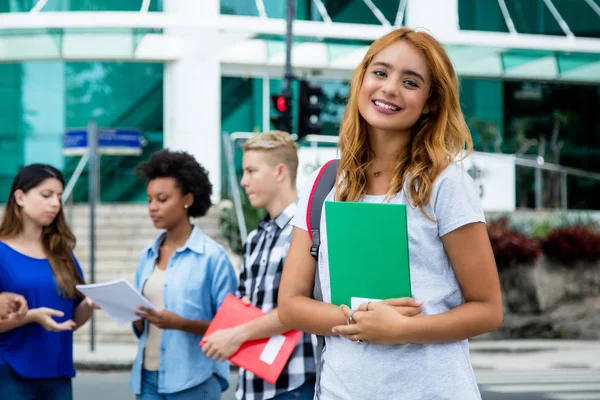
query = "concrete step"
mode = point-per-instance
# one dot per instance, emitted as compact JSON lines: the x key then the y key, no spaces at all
{"x":132,"y":230}
{"x":125,"y":219}
{"x":140,"y":209}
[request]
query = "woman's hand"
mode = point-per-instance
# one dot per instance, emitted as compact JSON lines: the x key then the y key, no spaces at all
{"x":384,"y":322}
{"x":406,"y":306}
{"x":12,"y":306}
{"x":91,"y":304}
{"x":222,"y":344}
{"x":162,"y":319}
{"x":44,"y":317}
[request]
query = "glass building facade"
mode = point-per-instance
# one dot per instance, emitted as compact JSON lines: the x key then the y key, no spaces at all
{"x":42,"y":99}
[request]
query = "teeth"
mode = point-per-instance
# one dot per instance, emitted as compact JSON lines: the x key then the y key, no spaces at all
{"x":386,"y":106}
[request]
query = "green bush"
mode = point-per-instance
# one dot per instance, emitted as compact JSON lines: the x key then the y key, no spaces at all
{"x":229,"y":223}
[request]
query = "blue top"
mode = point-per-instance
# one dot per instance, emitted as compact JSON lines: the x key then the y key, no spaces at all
{"x":30,"y":350}
{"x":198,"y":277}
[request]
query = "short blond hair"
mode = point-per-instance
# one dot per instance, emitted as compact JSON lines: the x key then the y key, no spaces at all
{"x":279,"y":146}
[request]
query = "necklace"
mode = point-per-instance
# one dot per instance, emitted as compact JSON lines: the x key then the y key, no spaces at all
{"x":377,"y":173}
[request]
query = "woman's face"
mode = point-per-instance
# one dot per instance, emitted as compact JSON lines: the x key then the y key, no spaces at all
{"x":395,"y":88}
{"x":42,"y":203}
{"x":167,"y":205}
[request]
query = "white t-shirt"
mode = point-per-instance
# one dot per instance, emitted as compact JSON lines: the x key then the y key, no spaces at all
{"x":412,"y":371}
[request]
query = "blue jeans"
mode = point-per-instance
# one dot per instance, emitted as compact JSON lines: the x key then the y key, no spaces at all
{"x":12,"y":386}
{"x":207,"y":390}
{"x":304,"y":392}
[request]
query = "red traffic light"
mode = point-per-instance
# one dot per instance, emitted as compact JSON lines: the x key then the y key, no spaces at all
{"x":281,"y":104}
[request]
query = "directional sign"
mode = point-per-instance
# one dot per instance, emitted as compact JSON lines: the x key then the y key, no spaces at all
{"x":110,"y":142}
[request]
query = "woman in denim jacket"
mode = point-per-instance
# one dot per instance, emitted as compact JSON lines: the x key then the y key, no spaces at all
{"x":186,"y":275}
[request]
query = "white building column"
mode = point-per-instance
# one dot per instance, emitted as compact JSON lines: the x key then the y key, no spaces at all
{"x":192,"y":90}
{"x":439,"y":17}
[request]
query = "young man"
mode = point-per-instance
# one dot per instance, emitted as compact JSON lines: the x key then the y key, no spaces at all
{"x":270,"y":163}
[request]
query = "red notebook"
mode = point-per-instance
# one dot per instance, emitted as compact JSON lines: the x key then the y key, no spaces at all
{"x":265,"y":358}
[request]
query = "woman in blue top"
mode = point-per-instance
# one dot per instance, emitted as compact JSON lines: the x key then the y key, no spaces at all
{"x":186,"y":275}
{"x":37,"y":262}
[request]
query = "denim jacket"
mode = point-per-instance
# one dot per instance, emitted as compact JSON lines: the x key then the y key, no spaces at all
{"x":199,"y":275}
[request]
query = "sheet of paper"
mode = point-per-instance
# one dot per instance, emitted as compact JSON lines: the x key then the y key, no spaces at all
{"x":357,"y":301}
{"x":272,"y":348}
{"x":116,"y":298}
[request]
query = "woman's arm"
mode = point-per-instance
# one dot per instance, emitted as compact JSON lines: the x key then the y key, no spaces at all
{"x":83,"y":312}
{"x":471,"y":256}
{"x":43,"y":316}
{"x":164,"y":319}
{"x":13,"y":323}
{"x":297,"y":308}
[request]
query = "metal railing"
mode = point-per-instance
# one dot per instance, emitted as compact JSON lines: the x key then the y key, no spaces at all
{"x":67,"y":197}
{"x":538,"y":164}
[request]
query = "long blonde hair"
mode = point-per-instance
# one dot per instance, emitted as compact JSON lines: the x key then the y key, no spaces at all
{"x":437,"y":138}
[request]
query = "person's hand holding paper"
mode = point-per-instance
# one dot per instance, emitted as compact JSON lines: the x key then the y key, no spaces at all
{"x":117,"y":298}
{"x":162,"y":319}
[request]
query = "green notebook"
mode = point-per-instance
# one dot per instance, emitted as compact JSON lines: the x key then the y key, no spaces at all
{"x":368,"y":252}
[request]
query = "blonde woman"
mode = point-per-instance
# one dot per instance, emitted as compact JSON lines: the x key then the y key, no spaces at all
{"x":400,"y":136}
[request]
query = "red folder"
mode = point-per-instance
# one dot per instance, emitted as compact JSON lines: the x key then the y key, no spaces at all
{"x":234,"y":312}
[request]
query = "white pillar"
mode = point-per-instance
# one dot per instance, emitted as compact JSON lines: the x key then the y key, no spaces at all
{"x":439,"y":17}
{"x":192,"y":90}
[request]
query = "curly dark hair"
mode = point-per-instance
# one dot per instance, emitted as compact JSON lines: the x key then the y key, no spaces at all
{"x":190,"y":176}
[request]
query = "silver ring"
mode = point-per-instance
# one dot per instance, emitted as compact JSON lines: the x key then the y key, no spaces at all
{"x":350,"y":318}
{"x":368,"y":305}
{"x":357,"y":340}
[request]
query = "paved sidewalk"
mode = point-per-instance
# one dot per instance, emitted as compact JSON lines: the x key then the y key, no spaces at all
{"x":501,"y":354}
{"x":535,"y":354}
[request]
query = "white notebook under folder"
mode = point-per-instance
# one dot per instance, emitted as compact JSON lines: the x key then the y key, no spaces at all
{"x":118,"y":299}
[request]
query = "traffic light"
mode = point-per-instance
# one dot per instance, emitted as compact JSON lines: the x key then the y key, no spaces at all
{"x":309,"y":113}
{"x":282,"y":120}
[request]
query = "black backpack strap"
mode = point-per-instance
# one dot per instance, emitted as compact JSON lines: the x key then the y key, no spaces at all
{"x":323,"y":184}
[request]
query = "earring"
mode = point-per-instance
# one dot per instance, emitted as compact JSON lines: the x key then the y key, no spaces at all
{"x":186,"y":206}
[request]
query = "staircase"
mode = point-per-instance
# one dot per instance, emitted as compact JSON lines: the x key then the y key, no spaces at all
{"x":122,"y":231}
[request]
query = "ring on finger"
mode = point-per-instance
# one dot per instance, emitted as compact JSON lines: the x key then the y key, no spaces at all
{"x":357,"y":340}
{"x":351,"y":317}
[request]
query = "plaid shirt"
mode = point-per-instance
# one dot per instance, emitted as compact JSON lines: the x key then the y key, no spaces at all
{"x":260,"y":276}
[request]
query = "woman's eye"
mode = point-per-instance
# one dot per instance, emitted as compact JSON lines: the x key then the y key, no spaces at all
{"x":411,"y":83}
{"x":379,"y":73}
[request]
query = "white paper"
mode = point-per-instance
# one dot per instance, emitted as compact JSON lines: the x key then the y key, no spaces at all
{"x":116,"y":298}
{"x":274,"y":345}
{"x":355,"y":302}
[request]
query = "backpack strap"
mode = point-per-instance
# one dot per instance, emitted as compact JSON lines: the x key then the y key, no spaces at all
{"x":321,"y":187}
{"x":323,"y":184}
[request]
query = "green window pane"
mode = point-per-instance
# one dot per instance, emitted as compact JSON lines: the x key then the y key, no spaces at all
{"x":533,"y":16}
{"x":580,"y":17}
{"x":239,"y":7}
{"x":481,"y":15}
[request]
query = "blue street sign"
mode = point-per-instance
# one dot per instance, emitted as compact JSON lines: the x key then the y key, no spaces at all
{"x":110,"y":141}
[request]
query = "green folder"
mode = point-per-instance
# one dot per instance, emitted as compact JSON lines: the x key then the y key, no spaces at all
{"x":368,"y":252}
